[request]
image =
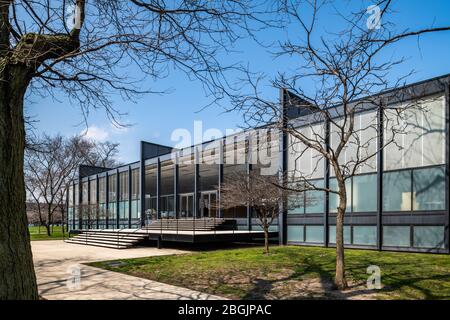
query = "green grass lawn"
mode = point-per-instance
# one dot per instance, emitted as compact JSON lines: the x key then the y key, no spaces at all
{"x":293,"y":272}
{"x":35,"y":234}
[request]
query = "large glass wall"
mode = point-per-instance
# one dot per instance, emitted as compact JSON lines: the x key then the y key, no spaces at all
{"x":123,"y":199}
{"x":167,"y":190}
{"x":93,"y":203}
{"x":302,"y":161}
{"x":308,"y":202}
{"x":414,"y":178}
{"x":112,"y":201}
{"x":85,"y":212}
{"x":415,"y":134}
{"x":421,"y":189}
{"x":77,"y":206}
{"x":135,"y":199}
{"x":209,"y":180}
{"x":102,"y":202}
{"x":361,"y":194}
{"x":150,"y":192}
{"x":186,"y":184}
{"x":235,"y":166}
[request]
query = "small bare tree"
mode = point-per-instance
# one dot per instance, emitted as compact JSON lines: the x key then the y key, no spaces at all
{"x":261,"y":193}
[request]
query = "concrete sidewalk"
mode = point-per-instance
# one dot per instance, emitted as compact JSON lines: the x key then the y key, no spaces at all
{"x":61,"y":274}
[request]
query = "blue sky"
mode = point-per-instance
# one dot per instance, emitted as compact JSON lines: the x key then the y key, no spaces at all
{"x":154,"y":117}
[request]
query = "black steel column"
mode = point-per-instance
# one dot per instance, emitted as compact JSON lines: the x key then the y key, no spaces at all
{"x":130,"y":186}
{"x":447,"y":166}
{"x":89,"y":202}
{"x":158,"y":188}
{"x":380,"y":115}
{"x":176,"y":201}
{"x":282,"y":216}
{"x":196,"y":181}
{"x":97,"y":203}
{"x":221,"y":162}
{"x":74,"y":208}
{"x":142,"y":184}
{"x":249,"y":208}
{"x":326,"y":222}
{"x":80,"y":204}
{"x":107,"y":200}
{"x":117,"y":199}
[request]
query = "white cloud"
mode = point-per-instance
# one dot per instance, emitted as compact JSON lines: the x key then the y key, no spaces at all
{"x":95,"y":133}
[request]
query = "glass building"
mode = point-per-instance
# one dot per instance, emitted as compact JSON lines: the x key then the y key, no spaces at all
{"x":397,"y":200}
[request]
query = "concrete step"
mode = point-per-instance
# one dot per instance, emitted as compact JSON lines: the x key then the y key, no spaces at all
{"x":104,"y":245}
{"x":113,"y":235}
{"x":94,"y":238}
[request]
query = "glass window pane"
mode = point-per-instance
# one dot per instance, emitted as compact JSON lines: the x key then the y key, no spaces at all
{"x":334,"y":198}
{"x":429,"y":189}
{"x":365,"y":235}
{"x":397,"y":191}
{"x":420,"y":137}
{"x":314,"y":202}
{"x":396,"y":236}
{"x":429,"y":236}
{"x":304,"y":161}
{"x":365,"y":193}
{"x":434,"y":131}
{"x":347,"y":234}
{"x":295,"y":233}
{"x":314,"y":234}
{"x":295,"y":204}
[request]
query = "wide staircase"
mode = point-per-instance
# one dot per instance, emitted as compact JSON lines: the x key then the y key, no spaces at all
{"x":190,"y":224}
{"x":115,"y":239}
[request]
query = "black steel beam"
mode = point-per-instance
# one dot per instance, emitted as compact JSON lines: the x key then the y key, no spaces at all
{"x":176,"y":200}
{"x":220,"y":178}
{"x":117,"y":199}
{"x":380,"y":115}
{"x":142,"y":183}
{"x":447,"y":166}
{"x":158,"y":188}
{"x":107,"y":200}
{"x":130,"y":186}
{"x":326,"y":209}
{"x":196,"y":181}
{"x":249,"y":208}
{"x":97,"y":203}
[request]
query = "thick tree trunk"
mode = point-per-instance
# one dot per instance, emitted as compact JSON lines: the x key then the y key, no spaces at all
{"x":340,"y":280}
{"x":17,"y":278}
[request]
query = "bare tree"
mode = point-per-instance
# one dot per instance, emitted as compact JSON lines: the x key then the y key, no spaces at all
{"x":85,"y":49}
{"x":261,"y":193}
{"x":346,"y":73}
{"x":51,"y":163}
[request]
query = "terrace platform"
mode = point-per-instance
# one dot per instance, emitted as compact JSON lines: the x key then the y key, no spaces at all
{"x":125,"y":238}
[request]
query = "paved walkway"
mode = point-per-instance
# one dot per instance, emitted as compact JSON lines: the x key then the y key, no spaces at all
{"x":61,"y":275}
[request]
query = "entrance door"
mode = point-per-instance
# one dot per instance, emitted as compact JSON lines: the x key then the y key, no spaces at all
{"x":186,"y":205}
{"x":208,"y":204}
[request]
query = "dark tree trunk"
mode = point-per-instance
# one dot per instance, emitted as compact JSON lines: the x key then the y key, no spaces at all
{"x":266,"y":239}
{"x":340,"y":280}
{"x":17,"y":277}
